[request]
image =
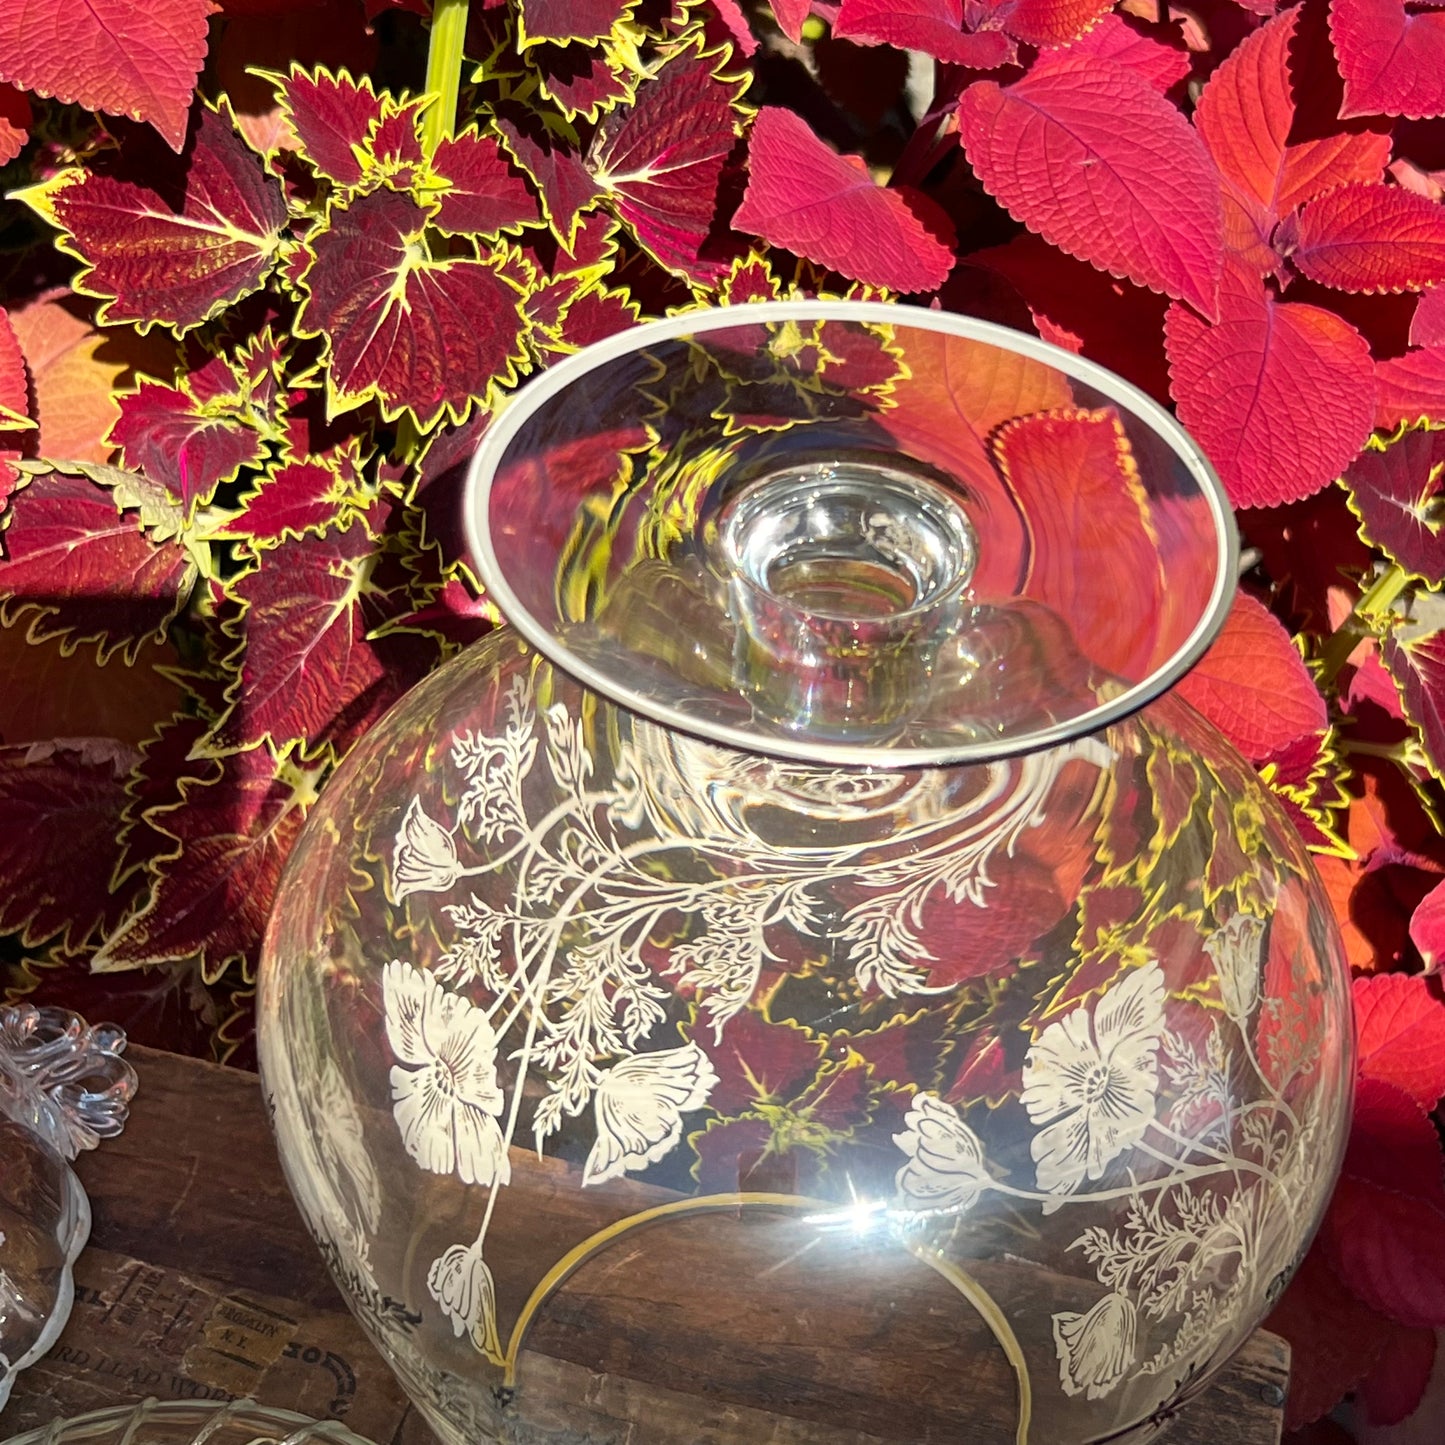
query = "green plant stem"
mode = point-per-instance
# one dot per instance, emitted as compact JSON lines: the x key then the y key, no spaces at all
{"x":1346,"y":637}
{"x":444,"y":70}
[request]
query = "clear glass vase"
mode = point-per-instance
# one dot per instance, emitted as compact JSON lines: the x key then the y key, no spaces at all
{"x":806,"y":980}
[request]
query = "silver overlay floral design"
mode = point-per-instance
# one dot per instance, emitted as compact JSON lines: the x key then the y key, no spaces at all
{"x":1095,"y":1349}
{"x":640,"y":1103}
{"x":582,"y":1034}
{"x":945,"y":1168}
{"x":1235,"y":952}
{"x":1093,"y":1075}
{"x":444,"y":1087}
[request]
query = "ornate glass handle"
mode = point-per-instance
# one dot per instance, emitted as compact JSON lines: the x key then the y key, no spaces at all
{"x":62,"y":1078}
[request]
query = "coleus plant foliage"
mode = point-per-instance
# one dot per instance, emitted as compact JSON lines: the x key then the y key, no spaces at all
{"x":271,"y":265}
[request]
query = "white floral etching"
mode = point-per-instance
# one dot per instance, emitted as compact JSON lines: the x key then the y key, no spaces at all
{"x":559,"y":879}
{"x":685,"y":838}
{"x":640,"y":1103}
{"x":461,"y":1283}
{"x":425,"y":858}
{"x":1096,"y":1349}
{"x":1091,"y":1078}
{"x":945,"y":1168}
{"x":1235,"y":951}
{"x":444,"y":1086}
{"x":1211,"y":1191}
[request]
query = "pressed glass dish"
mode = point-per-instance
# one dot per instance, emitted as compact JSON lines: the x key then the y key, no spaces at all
{"x":807,"y":979}
{"x":189,"y":1422}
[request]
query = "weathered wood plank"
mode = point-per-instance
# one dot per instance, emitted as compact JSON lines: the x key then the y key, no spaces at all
{"x":202,"y":1279}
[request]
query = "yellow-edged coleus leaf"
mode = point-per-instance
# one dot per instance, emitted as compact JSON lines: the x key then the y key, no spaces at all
{"x":564,"y":186}
{"x":306,"y":667}
{"x":78,"y":562}
{"x":591,"y":316}
{"x":201,"y":430}
{"x":660,"y":159}
{"x":174,"y":256}
{"x":415,"y":334}
{"x":62,"y":805}
{"x":211,"y":890}
{"x":568,"y":22}
{"x":301,"y":495}
{"x":478,"y":188}
{"x":333,"y":117}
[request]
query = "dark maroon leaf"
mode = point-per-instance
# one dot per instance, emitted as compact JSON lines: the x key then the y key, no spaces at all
{"x":563,"y":182}
{"x":414,"y":334}
{"x":211,"y":897}
{"x":62,"y":808}
{"x":569,"y":20}
{"x":1418,"y":666}
{"x":484,"y":193}
{"x":82,"y":569}
{"x":1395,"y":492}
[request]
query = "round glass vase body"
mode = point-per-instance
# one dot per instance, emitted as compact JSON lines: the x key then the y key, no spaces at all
{"x":806,"y":980}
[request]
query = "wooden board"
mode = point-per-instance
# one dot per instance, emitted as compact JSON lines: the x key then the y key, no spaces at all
{"x":201,"y":1281}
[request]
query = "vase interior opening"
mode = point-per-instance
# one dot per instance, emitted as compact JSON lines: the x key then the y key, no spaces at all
{"x":852,"y":533}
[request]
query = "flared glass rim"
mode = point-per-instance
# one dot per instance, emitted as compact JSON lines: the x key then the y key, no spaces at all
{"x":543,"y":389}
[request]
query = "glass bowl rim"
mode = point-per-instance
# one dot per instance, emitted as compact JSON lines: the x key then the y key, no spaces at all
{"x":540,"y":390}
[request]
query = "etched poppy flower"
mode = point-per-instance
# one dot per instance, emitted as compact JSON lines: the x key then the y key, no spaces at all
{"x":444,"y":1086}
{"x":1092,"y":1080}
{"x":639,"y":1106}
{"x":945,"y":1168}
{"x":462,"y":1285}
{"x":1095,"y":1349}
{"x":425,"y":858}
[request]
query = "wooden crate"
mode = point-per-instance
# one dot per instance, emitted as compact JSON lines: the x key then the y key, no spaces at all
{"x":201,"y":1282}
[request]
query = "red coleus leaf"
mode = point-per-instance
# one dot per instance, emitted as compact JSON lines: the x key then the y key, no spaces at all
{"x":82,"y":569}
{"x":414,"y":334}
{"x":332,"y":116}
{"x":15,"y":120}
{"x":1249,"y":390}
{"x":483,"y":194}
{"x":194,"y":435}
{"x":1334,"y":1339}
{"x":176,"y":261}
{"x":14,"y":384}
{"x":303,"y":654}
{"x":660,"y":161}
{"x":1418,"y":666}
{"x":1046,"y":22}
{"x":1395,"y":1387}
{"x":1427,"y":928}
{"x":1383,"y":1229}
{"x":791,"y":16}
{"x":1395,"y":492}
{"x":109,"y":55}
{"x":1427,"y":325}
{"x":826,"y":207}
{"x":1392,"y":63}
{"x":1163,"y":66}
{"x":565,"y":21}
{"x":1400,"y":1034}
{"x":1095,"y":160}
{"x":301,"y":495}
{"x":1244,"y":116}
{"x":58,"y":847}
{"x":1368,"y":238}
{"x":1253,"y":685}
{"x":934,"y":27}
{"x":1410,"y":388}
{"x":564,"y":184}
{"x":211,"y":896}
{"x":1077,"y":489}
